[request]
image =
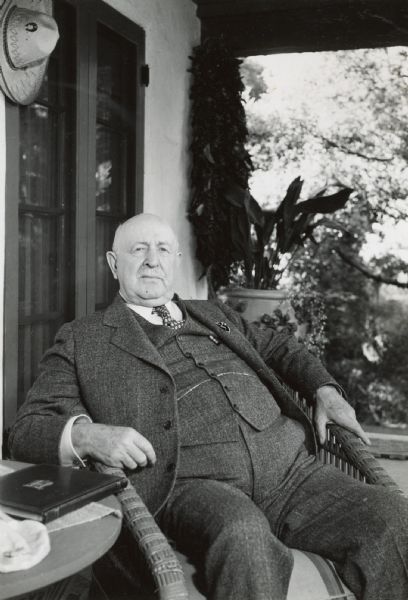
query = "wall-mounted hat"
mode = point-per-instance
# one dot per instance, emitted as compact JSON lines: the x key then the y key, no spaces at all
{"x":28,"y":35}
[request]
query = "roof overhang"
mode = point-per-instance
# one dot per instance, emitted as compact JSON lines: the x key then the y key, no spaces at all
{"x":267,"y":26}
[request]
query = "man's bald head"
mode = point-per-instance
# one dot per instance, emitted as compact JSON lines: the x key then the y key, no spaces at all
{"x":138,"y":225}
{"x":143,"y":258}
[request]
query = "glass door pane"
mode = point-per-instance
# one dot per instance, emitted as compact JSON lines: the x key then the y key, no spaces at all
{"x":46,"y":184}
{"x":115,"y":148}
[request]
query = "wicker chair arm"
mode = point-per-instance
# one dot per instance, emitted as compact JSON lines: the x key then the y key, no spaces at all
{"x":163,"y":563}
{"x":345,"y":450}
{"x":345,"y":445}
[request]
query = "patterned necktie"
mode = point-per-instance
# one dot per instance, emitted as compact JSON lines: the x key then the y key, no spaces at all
{"x":167,"y":319}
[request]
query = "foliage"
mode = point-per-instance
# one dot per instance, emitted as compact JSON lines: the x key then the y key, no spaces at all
{"x":379,"y":382}
{"x":278,"y":320}
{"x":310,"y":311}
{"x":351,"y":131}
{"x":281,"y":232}
{"x":386,"y":403}
{"x":251,"y":74}
{"x":304,"y":314}
{"x":366,"y":337}
{"x":356,"y":136}
{"x":307,"y":323}
{"x":220,"y":161}
{"x":229,"y":225}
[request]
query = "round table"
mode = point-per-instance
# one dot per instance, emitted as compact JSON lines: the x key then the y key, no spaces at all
{"x":72,"y":549}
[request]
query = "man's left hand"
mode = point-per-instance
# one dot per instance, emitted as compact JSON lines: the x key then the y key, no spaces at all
{"x":331,"y":407}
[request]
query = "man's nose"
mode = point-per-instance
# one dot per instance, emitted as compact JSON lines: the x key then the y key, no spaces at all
{"x":152,"y":257}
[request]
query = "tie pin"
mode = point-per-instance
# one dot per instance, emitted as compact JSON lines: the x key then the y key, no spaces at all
{"x":222,"y":325}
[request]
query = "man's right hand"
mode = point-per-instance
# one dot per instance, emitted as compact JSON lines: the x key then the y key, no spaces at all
{"x":113,"y":445}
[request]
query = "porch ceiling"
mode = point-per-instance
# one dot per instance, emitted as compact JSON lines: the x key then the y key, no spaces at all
{"x":265,"y":26}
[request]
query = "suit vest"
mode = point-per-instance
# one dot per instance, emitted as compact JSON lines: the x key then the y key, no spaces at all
{"x":231,"y":428}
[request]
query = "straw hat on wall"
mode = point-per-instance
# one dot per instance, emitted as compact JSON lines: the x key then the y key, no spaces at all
{"x":29,"y":34}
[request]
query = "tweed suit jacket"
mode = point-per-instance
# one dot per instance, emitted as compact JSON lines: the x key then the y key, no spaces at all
{"x":104,"y":365}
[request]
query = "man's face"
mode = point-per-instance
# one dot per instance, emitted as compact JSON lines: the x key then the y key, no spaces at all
{"x":144,"y":261}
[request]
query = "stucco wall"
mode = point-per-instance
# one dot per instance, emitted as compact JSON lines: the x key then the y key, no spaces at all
{"x":172,"y":29}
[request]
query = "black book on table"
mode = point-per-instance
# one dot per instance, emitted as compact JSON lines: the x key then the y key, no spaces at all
{"x":46,"y":492}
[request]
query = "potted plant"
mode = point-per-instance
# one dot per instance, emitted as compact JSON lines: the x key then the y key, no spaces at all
{"x":270,"y":239}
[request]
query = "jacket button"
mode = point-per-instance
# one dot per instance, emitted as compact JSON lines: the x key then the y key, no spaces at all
{"x":167,"y":424}
{"x":227,"y":388}
{"x":235,"y":406}
{"x":164,"y":389}
{"x":170,"y":467}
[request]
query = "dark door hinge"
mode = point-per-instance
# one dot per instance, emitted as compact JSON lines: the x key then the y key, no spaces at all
{"x":145,"y":75}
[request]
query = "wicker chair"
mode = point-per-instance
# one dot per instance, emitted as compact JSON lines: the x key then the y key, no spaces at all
{"x":171,"y":572}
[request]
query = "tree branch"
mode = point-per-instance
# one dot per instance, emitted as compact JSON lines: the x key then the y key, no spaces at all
{"x":366,"y":271}
{"x":333,"y":144}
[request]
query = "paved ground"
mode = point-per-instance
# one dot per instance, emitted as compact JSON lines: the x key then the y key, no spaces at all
{"x":391,"y":450}
{"x":401,"y":429}
{"x":398,"y":470}
{"x":388,"y":445}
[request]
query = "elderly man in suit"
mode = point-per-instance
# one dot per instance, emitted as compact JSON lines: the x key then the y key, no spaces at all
{"x":186,"y":397}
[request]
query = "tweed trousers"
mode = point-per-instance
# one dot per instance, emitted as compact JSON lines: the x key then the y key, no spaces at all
{"x":240,"y":544}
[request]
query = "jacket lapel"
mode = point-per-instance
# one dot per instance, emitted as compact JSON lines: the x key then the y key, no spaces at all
{"x":210,"y":315}
{"x":129,"y":336}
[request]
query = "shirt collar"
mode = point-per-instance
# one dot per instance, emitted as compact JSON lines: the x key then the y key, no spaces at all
{"x":146,"y":311}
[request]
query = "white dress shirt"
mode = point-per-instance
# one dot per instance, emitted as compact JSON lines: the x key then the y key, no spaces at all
{"x":146,"y":312}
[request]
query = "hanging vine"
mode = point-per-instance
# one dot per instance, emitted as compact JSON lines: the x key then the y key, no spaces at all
{"x":220,"y":162}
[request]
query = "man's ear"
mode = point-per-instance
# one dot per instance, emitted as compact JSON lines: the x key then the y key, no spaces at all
{"x":111,"y":258}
